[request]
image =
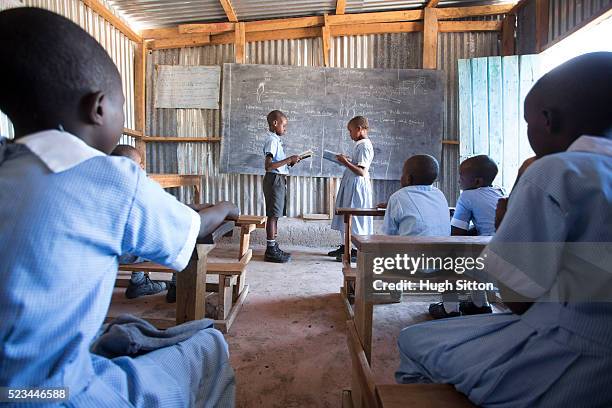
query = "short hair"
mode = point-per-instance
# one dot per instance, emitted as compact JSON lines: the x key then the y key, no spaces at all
{"x":49,"y":63}
{"x":481,"y":166}
{"x":124,"y":150}
{"x":423,"y":168}
{"x":359,"y":121}
{"x":275,"y":115}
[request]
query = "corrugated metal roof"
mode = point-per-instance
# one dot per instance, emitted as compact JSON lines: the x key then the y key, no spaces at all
{"x":158,"y":13}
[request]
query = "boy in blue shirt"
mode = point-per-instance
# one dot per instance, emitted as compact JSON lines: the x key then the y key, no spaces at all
{"x":551,"y":257}
{"x":418,"y":208}
{"x":275,"y":183}
{"x":68,"y":211}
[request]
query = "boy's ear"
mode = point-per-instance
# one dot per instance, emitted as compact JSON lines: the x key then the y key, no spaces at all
{"x":551,"y":120}
{"x":93,"y":108}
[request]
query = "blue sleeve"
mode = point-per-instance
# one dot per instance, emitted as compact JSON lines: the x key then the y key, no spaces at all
{"x":365,"y":155}
{"x":159,"y":227}
{"x":526,"y":252}
{"x":392,"y":215}
{"x":463,"y":213}
{"x":271,"y":147}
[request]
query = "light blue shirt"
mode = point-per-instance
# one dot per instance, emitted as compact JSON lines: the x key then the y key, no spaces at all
{"x":274,"y":146}
{"x":478,"y":207}
{"x":417,"y":210}
{"x":67,"y":212}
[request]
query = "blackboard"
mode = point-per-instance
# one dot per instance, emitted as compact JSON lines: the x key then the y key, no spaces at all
{"x":404,"y":108}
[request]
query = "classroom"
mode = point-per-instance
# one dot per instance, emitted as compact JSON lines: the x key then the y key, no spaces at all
{"x":306,"y":203}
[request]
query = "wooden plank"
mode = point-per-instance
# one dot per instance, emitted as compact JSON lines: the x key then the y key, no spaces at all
{"x":496,"y":118}
{"x":258,"y":220}
{"x":541,"y":24}
{"x":450,"y":142}
{"x":374,"y":243}
{"x":422,"y":396}
{"x":140,"y":66}
{"x":229,"y":10}
{"x":174,"y":139}
{"x":191,"y":286}
{"x":462,"y":26}
{"x":284,"y":24}
{"x":430,"y":39}
{"x":315,"y":216}
{"x":160,"y":33}
{"x":98,"y":7}
{"x":364,"y":308}
{"x":340,"y":7}
{"x":183,"y":41}
{"x":175,"y":180}
{"x":225,"y":325}
{"x":362,"y":377}
{"x":461,"y":12}
{"x":325,"y":34}
{"x":508,"y":33}
{"x":433,"y":3}
{"x":528,"y":65}
{"x":375,"y":28}
{"x":480,"y":113}
{"x":380,"y":17}
{"x":511,"y":108}
{"x":240,"y":44}
{"x":131,"y":132}
{"x":289,"y":34}
{"x":225,"y":297}
{"x":466,"y":132}
{"x":208,"y":28}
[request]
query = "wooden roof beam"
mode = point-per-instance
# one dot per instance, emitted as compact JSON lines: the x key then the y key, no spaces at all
{"x":98,"y":7}
{"x":461,"y":12}
{"x":229,"y":10}
{"x":208,"y":28}
{"x":340,"y":6}
{"x":432,"y":3}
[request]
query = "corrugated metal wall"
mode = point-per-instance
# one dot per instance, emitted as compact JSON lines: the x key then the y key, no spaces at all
{"x":564,"y":16}
{"x":119,"y":47}
{"x":307,"y":194}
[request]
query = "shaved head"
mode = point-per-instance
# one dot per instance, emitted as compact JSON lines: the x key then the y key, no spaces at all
{"x":477,"y":171}
{"x":573,"y":99}
{"x":421,"y":169}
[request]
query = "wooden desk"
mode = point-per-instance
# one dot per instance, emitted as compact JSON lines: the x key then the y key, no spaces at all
{"x":347,"y":291}
{"x":371,"y":246}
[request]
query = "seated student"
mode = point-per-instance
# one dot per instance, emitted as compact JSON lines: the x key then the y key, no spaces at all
{"x":476,"y":205}
{"x":552,"y":250}
{"x":477,"y":202}
{"x":68,"y":211}
{"x":418,"y":208}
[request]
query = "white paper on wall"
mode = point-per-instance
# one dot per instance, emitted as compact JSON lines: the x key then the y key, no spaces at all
{"x":179,"y":86}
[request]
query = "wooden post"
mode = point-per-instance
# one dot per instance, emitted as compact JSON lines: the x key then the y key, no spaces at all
{"x":140,"y":67}
{"x":240,"y":43}
{"x":191,"y":286}
{"x":430,"y":38}
{"x":363,"y":307}
{"x":508,"y":31}
{"x":541,"y":24}
{"x":326,"y":35}
{"x":348,"y":227}
{"x":332,"y":197}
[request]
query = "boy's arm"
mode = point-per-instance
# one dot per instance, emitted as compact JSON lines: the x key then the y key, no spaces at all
{"x":358,"y":170}
{"x":460,"y":223}
{"x":271,"y":165}
{"x":199,"y":207}
{"x":213,"y":216}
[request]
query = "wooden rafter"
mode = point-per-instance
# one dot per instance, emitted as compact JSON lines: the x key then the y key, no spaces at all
{"x":229,"y":10}
{"x":430,"y":38}
{"x":340,"y":6}
{"x":98,"y":7}
{"x":433,"y":3}
{"x":208,"y":28}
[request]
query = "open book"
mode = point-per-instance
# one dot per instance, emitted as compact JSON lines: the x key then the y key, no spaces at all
{"x":331,"y":156}
{"x":306,"y":154}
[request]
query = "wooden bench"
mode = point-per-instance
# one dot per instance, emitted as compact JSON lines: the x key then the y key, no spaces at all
{"x":372,"y":246}
{"x":365,"y":393}
{"x":347,"y":291}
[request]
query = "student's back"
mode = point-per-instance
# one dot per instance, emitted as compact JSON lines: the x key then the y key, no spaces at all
{"x":418,"y":210}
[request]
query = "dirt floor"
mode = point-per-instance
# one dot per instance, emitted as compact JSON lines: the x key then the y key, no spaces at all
{"x":288,"y":344}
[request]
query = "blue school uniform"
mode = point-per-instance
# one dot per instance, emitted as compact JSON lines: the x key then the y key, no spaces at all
{"x":356,"y":191}
{"x":67,"y":212}
{"x":274,"y":146}
{"x":478,"y":207}
{"x":558,"y":353}
{"x":417,"y":210}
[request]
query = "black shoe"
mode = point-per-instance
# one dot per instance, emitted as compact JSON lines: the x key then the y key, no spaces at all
{"x":276,"y":255}
{"x":287,"y":254}
{"x":437,"y":311}
{"x":469,"y":308}
{"x":143,"y":288}
{"x":353,"y":256}
{"x":336,"y":252}
{"x":171,"y":294}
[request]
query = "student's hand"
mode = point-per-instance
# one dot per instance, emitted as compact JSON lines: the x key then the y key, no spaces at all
{"x":342,"y":159}
{"x":293,"y":160}
{"x":381,"y":205}
{"x":500,"y":211}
